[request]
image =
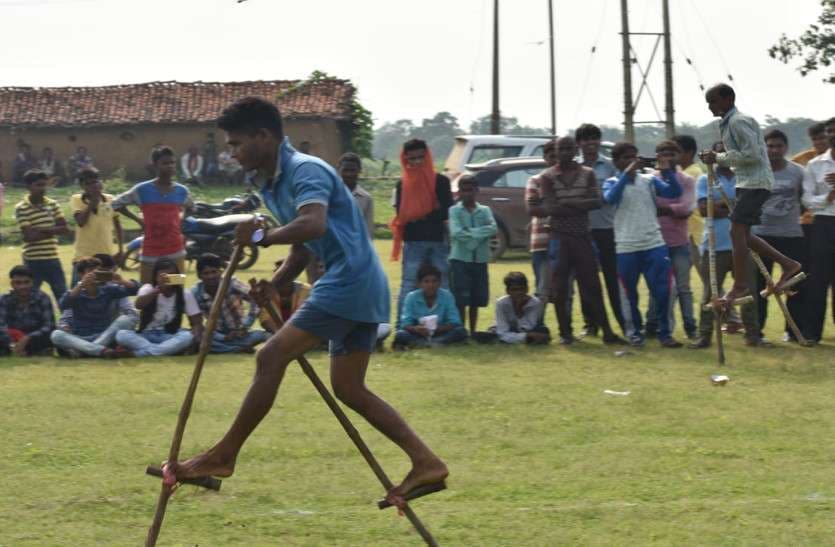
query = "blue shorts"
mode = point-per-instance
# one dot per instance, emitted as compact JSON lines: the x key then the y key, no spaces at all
{"x":344,"y":335}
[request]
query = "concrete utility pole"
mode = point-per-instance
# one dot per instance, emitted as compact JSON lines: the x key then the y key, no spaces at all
{"x":553,"y":74}
{"x":495,"y":117}
{"x":628,"y":107}
{"x":669,"y":110}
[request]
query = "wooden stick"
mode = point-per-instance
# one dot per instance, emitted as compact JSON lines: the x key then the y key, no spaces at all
{"x":185,"y":409}
{"x":741,"y":301}
{"x":711,"y":252}
{"x":349,"y":428}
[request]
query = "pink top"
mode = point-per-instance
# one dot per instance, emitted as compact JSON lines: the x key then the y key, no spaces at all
{"x":674,"y":228}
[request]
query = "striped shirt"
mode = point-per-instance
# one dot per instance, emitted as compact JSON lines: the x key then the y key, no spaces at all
{"x":44,"y":215}
{"x":576,"y":184}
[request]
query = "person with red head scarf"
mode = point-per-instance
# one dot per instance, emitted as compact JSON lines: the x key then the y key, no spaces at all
{"x":422,"y":200}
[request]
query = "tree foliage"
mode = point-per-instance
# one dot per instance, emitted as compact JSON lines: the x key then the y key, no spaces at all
{"x":815,"y":47}
{"x":508,"y":125}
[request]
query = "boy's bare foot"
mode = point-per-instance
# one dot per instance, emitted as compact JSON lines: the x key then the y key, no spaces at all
{"x":430,"y":472}
{"x":790,"y":270}
{"x":207,"y":464}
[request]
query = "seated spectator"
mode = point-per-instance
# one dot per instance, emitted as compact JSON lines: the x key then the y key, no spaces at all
{"x":210,"y":157}
{"x":26,"y":316}
{"x":23,"y":162}
{"x":430,"y":317}
{"x":95,"y":318}
{"x":231,"y":333}
{"x":519,"y":315}
{"x":97,"y":222}
{"x":191,"y":165}
{"x":52,"y":167}
{"x":287,"y":299}
{"x":230,"y":170}
{"x":162,"y":305}
{"x":471,"y":226}
{"x":78,"y":161}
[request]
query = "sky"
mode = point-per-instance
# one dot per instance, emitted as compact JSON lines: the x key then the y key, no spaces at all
{"x":413,"y":59}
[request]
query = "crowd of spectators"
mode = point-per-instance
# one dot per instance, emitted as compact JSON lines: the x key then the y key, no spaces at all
{"x":589,"y":215}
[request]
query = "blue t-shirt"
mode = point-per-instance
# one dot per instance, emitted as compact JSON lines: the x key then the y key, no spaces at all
{"x":722,"y":225}
{"x":354,"y":285}
{"x":414,"y":307}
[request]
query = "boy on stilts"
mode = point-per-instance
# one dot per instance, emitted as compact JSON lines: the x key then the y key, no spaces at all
{"x":745,"y":152}
{"x":318,"y":217}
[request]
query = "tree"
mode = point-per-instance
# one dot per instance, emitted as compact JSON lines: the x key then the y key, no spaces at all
{"x":816,"y":46}
{"x":508,"y":125}
{"x":390,"y":137}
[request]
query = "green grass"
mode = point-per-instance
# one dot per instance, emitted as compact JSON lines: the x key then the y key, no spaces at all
{"x":539,"y":455}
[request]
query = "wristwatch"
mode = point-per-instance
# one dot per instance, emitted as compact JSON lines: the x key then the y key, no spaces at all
{"x":258,"y":236}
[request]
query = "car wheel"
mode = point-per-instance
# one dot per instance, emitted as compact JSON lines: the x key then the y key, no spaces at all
{"x":498,"y":244}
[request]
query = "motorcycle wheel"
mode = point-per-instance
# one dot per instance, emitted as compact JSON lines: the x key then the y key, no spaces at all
{"x":248,"y":258}
{"x":131,"y":262}
{"x":270,"y":222}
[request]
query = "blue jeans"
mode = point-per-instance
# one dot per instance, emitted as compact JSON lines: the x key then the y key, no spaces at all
{"x":405,"y":338}
{"x":655,"y":265}
{"x":252,"y":338}
{"x":415,"y":254}
{"x":155,"y":342}
{"x":681,"y":261}
{"x":49,"y":270}
{"x":92,"y":344}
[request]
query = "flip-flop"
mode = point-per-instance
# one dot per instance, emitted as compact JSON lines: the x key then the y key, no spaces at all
{"x":415,"y":493}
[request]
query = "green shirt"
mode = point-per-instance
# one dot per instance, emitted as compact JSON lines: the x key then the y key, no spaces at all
{"x":470,"y":233}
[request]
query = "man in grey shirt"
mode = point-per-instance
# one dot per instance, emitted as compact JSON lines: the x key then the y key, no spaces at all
{"x":349,"y":167}
{"x":780,"y":225}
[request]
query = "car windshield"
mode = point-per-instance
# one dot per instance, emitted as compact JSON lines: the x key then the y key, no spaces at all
{"x":481,"y":154}
{"x":512,"y":178}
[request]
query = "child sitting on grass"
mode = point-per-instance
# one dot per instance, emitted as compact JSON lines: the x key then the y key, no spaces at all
{"x":429,"y":314}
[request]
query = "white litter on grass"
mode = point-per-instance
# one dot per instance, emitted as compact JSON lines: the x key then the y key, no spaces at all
{"x":616,"y":393}
{"x":719,"y":379}
{"x":301,"y":512}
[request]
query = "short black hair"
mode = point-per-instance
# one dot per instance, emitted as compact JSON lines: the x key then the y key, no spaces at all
{"x":621,"y":148}
{"x":548,"y":146}
{"x":160,"y":152}
{"x":87,"y":173}
{"x":209,"y":259}
{"x":830,"y":121}
{"x":587,"y":131}
{"x":414,"y":144}
{"x":668,"y":144}
{"x":426,"y":269}
{"x":686,"y":142}
{"x":21,"y":271}
{"x":723,"y":90}
{"x":468,"y":178}
{"x":350,"y":157}
{"x":816,"y":129}
{"x":85,"y":263}
{"x":251,"y":114}
{"x":34,"y":175}
{"x":515,"y":279}
{"x":106,"y":260}
{"x":777,"y":134}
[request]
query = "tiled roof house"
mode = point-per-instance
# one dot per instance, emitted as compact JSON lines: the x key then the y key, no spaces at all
{"x":119,"y":124}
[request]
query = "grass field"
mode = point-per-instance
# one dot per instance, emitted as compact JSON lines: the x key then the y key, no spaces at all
{"x":538,"y":454}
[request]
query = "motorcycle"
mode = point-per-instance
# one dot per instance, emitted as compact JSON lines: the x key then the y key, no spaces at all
{"x":247,"y":203}
{"x":203,"y":235}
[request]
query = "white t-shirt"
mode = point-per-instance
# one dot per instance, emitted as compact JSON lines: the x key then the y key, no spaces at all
{"x":167,"y":306}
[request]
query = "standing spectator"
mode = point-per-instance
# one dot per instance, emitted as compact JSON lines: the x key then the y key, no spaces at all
{"x":191,"y":165}
{"x":97,"y":221}
{"x":162,"y":202}
{"x":93,"y":325}
{"x":601,"y":222}
{"x":819,"y":197}
{"x":640,"y":245}
{"x":78,"y":161}
{"x":23,"y":162}
{"x":687,"y":162}
{"x":161,"y":306}
{"x":780,"y":225}
{"x":230,"y":169}
{"x":519,"y":315}
{"x":471,"y":226}
{"x":2,"y":200}
{"x":672,"y":217}
{"x":430,"y":317}
{"x":232,"y":333}
{"x":540,"y":231}
{"x":210,"y":170}
{"x":26,"y":316}
{"x":820,"y":144}
{"x":349,"y":167}
{"x":41,"y":221}
{"x":422,"y":199}
{"x":52,"y":167}
{"x":569,"y":190}
{"x":724,"y":260}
